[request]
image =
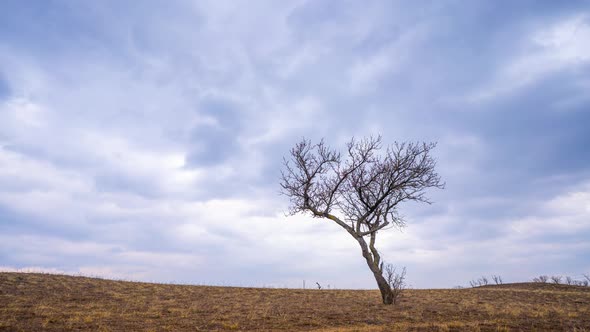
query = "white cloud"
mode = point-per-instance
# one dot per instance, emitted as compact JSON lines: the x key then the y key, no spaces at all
{"x":23,"y":114}
{"x":522,"y":247}
{"x":549,"y":49}
{"x":568,"y":213}
{"x":28,"y":173}
{"x":566,"y":40}
{"x":288,"y":118}
{"x":366,"y":73}
{"x":32,"y":269}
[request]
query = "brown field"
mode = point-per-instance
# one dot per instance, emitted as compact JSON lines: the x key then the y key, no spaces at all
{"x":43,"y":302}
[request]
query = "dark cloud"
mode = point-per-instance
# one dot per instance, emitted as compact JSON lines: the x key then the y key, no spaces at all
{"x":15,"y":223}
{"x":215,"y":141}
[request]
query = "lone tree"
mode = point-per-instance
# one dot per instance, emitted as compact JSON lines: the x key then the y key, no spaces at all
{"x":361,"y":190}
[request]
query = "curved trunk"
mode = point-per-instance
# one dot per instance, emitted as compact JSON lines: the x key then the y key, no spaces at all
{"x":386,"y":293}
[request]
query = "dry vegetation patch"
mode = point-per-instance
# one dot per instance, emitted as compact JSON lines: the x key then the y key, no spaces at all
{"x":42,"y":302}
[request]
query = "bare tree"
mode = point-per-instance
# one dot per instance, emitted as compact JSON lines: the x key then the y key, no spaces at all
{"x":556,"y":279}
{"x":483,"y":281}
{"x":361,"y":191}
{"x":569,"y":280}
{"x":541,"y":279}
{"x":587,"y":277}
{"x":497,"y":279}
{"x":397,"y":281}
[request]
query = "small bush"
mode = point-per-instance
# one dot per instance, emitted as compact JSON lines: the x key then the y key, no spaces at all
{"x":497,"y":279}
{"x":541,"y":279}
{"x":397,"y":281}
{"x":483,"y":281}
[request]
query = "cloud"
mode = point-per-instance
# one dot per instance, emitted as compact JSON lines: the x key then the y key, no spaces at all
{"x":145,"y":142}
{"x":4,"y":88}
{"x":546,"y":50}
{"x":542,"y":241}
{"x":367,"y":71}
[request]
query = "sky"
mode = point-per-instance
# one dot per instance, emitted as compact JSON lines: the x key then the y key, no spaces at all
{"x":143,"y":140}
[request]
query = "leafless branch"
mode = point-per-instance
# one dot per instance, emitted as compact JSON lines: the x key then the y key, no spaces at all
{"x":361,"y":189}
{"x":541,"y":279}
{"x":497,"y":279}
{"x":483,"y":281}
{"x":365,"y":188}
{"x":397,"y":281}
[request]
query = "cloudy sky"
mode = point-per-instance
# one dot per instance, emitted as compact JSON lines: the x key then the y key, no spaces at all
{"x":143,"y":139}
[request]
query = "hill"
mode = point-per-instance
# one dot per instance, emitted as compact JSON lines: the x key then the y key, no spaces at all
{"x":43,"y":302}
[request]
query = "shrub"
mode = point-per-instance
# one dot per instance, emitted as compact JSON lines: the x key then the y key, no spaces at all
{"x":397,"y":281}
{"x":541,"y":278}
{"x":497,"y":279}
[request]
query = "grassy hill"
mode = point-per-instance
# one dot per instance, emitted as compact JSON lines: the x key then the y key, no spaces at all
{"x":43,"y":302}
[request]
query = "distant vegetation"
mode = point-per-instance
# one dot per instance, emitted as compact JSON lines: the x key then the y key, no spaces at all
{"x":484,"y":281}
{"x":584,"y":281}
{"x":556,"y":279}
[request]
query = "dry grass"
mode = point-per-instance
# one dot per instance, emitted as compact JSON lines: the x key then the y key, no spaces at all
{"x":41,"y":302}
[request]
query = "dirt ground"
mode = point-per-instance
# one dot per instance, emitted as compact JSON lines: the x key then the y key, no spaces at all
{"x":43,"y":302}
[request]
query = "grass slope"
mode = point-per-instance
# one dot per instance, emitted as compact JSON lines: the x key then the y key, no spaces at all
{"x":43,"y":302}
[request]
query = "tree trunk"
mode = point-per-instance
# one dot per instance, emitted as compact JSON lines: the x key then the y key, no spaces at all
{"x":386,"y":293}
